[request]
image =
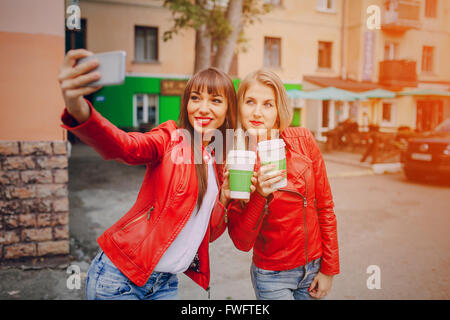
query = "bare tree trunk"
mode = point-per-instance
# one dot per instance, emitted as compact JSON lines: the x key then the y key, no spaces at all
{"x":225,"y":51}
{"x":202,"y":49}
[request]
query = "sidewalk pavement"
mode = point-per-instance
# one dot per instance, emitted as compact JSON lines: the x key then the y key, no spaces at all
{"x":100,"y":192}
{"x":348,"y":158}
{"x":353,"y":159}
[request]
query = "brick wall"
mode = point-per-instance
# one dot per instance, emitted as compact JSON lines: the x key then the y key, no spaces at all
{"x":34,"y":206}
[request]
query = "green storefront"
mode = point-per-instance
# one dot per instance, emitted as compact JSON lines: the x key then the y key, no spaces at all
{"x":149,"y":100}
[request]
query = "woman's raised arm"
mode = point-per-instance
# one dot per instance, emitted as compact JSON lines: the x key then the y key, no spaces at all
{"x":85,"y":122}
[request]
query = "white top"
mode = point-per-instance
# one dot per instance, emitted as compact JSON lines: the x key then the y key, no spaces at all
{"x":181,"y":252}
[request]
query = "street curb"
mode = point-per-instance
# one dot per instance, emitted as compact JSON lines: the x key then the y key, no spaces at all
{"x":381,"y":168}
{"x":350,"y":163}
{"x":370,"y":169}
{"x":361,"y":173}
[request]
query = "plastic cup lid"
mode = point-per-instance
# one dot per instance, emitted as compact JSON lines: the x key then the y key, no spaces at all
{"x":241,"y":154}
{"x":271,"y":144}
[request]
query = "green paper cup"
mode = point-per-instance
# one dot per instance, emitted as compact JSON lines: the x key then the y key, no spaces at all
{"x":241,"y":165}
{"x":272,"y":152}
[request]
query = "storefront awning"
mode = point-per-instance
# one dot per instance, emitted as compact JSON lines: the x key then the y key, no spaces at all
{"x":425,"y":92}
{"x":332,"y":93}
{"x":376,"y":94}
{"x":297,"y":94}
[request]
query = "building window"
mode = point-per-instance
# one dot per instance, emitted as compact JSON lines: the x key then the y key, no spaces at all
{"x":391,"y":51}
{"x":431,"y":8}
{"x":427,"y":59}
{"x":325,"y":5}
{"x":145,"y":44}
{"x":325,"y":53}
{"x":145,"y":110}
{"x":388,"y":114}
{"x":272,"y":52}
{"x":325,"y":113}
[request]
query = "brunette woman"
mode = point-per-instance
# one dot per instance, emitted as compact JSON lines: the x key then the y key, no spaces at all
{"x":179,"y":209}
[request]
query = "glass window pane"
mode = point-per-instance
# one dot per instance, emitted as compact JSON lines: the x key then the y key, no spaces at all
{"x":140,"y":100}
{"x":151,"y":44}
{"x":272,"y":52}
{"x":152,"y":115}
{"x":139,"y":45}
{"x":266,"y":52}
{"x":140,"y":115}
{"x":275,"y":54}
{"x":151,"y":101}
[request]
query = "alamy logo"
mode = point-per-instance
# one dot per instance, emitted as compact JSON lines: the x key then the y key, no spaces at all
{"x":374,"y":18}
{"x":74,"y":280}
{"x":73,"y":20}
{"x":374,"y":281}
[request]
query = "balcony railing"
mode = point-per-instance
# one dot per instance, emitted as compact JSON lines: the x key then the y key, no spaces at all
{"x":401,"y":15}
{"x":398,"y":73}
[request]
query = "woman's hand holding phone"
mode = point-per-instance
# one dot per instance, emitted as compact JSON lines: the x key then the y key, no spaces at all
{"x":73,"y":81}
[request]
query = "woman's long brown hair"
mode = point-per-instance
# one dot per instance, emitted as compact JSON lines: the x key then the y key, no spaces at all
{"x":214,"y":81}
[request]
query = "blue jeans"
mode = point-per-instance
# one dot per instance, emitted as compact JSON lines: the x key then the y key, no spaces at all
{"x":106,"y":282}
{"x":284,"y":285}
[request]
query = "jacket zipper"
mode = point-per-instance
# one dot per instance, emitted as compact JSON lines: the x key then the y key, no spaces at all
{"x":225,"y":216}
{"x":305,"y":204}
{"x":266,"y":206}
{"x":139,"y":218}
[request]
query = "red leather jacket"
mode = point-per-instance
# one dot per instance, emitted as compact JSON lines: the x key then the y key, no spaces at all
{"x":297,"y":224}
{"x":168,"y":195}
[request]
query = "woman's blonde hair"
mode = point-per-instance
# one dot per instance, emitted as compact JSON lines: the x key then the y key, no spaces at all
{"x":270,"y":79}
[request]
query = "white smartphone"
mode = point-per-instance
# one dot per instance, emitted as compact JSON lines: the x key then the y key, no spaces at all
{"x":111,"y":67}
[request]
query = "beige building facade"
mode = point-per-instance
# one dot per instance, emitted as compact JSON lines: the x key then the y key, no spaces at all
{"x":398,"y":45}
{"x":110,"y":25}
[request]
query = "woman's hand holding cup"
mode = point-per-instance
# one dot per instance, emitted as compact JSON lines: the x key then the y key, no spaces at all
{"x":225,"y":193}
{"x":73,"y":80}
{"x":266,"y":178}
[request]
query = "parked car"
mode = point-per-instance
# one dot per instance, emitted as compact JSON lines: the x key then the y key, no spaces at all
{"x":429,"y":155}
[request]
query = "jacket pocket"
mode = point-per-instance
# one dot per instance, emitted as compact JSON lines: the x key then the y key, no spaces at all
{"x":134,"y":232}
{"x":136,"y":220}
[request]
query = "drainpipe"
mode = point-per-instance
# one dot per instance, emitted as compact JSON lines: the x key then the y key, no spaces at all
{"x":343,"y":69}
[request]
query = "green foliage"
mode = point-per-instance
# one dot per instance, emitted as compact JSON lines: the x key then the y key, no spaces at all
{"x":189,"y":14}
{"x":253,"y":9}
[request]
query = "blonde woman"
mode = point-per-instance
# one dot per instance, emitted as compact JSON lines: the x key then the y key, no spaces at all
{"x":292,"y":230}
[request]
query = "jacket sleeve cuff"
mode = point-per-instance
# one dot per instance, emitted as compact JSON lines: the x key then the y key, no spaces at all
{"x":255,"y":208}
{"x":330,"y":270}
{"x":70,"y":123}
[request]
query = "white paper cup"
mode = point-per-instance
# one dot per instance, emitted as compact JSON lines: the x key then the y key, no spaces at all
{"x":273,"y":152}
{"x":241,"y":164}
